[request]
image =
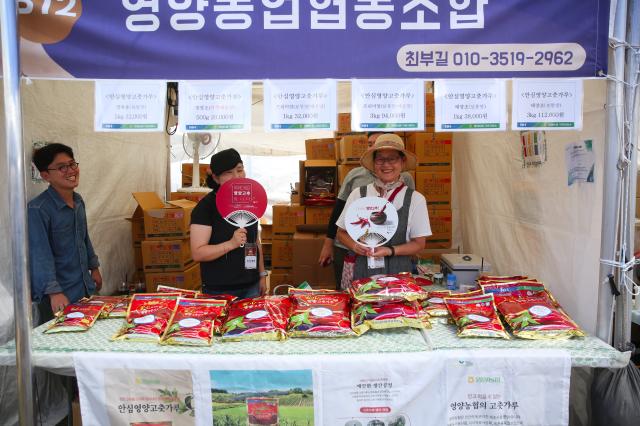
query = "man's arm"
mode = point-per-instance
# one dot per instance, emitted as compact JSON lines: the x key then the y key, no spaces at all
{"x":41,"y":261}
{"x":92,"y":260}
{"x":326,"y":254}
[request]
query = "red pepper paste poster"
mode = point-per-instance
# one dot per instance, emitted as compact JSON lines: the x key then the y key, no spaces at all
{"x":262,"y":397}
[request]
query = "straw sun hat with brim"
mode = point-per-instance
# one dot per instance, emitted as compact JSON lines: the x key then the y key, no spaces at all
{"x":388,"y":141}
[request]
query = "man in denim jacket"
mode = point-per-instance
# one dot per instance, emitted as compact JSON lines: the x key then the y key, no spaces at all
{"x":63,"y":265}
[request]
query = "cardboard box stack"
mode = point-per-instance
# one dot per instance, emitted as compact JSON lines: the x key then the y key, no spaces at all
{"x":191,"y":196}
{"x":187,"y":174}
{"x":160,"y":234}
{"x":285,"y":219}
{"x":434,"y":152}
{"x":306,"y":249}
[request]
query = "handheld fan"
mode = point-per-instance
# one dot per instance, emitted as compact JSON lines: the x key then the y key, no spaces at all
{"x":371,"y":221}
{"x":241,"y":202}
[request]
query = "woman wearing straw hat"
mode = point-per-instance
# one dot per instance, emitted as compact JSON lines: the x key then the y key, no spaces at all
{"x":387,"y":159}
{"x":332,"y":250}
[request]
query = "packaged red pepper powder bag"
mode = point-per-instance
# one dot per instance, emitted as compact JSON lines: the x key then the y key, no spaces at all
{"x":78,"y":316}
{"x":194,"y":321}
{"x":109,"y":302}
{"x":531,"y":312}
{"x":382,"y":315}
{"x":147,"y":316}
{"x":380,"y":288}
{"x":262,"y":411}
{"x":319,"y":313}
{"x":227,"y":297}
{"x":434,"y":304}
{"x":503,"y":278}
{"x":120,"y":308}
{"x":259,"y":318}
{"x":476,"y":316}
{"x":183,"y":291}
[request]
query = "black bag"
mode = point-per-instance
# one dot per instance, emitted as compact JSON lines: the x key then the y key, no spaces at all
{"x":615,"y":396}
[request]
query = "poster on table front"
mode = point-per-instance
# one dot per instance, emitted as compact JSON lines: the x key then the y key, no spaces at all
{"x":300,"y":105}
{"x":262,"y":397}
{"x":387,"y":105}
{"x":547,"y":104}
{"x":470,"y":105}
{"x":215,"y":106}
{"x":129,"y":106}
{"x":517,"y":390}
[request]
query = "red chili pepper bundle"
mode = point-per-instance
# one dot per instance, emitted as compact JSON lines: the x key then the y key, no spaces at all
{"x":194,"y":321}
{"x":382,"y":315}
{"x":476,"y":316}
{"x":183,"y":291}
{"x":531,"y":312}
{"x":380,"y":288}
{"x":78,"y":316}
{"x":147,"y":316}
{"x":260,"y":318}
{"x":319,"y":313}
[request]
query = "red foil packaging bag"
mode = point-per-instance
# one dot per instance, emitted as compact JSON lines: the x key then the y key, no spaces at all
{"x":531,"y":312}
{"x":320,"y":313}
{"x":147,"y":316}
{"x":476,"y":316}
{"x":78,"y":316}
{"x":381,"y":288}
{"x":194,"y":322}
{"x":259,"y":318}
{"x":383,"y":315}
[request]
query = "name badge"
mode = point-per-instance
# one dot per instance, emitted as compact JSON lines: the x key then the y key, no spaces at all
{"x":250,"y":256}
{"x":375,"y":262}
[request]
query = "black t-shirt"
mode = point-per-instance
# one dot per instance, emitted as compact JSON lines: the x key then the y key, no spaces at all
{"x":226,"y":272}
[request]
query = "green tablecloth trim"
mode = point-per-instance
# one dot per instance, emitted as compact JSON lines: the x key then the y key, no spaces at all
{"x":585,"y":352}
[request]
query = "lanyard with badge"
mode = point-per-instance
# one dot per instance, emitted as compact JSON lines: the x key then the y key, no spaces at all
{"x":242,"y":202}
{"x":372,"y":222}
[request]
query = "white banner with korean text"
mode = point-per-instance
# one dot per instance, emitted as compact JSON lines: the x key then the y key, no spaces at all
{"x":547,"y":104}
{"x":485,"y":387}
{"x":129,"y":106}
{"x":387,"y":105}
{"x":300,"y":105}
{"x":215,"y":106}
{"x":470,"y":105}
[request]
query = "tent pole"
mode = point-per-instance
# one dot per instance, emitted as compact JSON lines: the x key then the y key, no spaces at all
{"x":612,"y":176}
{"x":623,"y":308}
{"x":167,"y":177}
{"x":17,"y":207}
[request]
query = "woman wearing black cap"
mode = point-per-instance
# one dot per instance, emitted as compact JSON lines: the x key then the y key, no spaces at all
{"x":216,"y":244}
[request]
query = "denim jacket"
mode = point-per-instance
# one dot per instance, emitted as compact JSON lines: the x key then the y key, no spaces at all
{"x":60,"y":251}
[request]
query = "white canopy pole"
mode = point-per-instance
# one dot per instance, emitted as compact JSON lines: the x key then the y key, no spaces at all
{"x":612,"y":176}
{"x":624,"y":306}
{"x":17,"y":206}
